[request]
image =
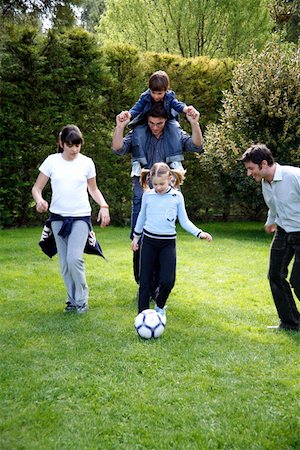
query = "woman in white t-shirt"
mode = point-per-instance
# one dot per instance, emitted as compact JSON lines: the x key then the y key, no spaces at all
{"x":73,"y":177}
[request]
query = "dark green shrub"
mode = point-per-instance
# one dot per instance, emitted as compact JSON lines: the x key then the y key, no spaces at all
{"x":64,"y":77}
{"x":263,"y":106}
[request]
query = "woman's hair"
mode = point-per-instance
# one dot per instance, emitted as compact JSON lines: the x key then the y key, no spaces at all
{"x":161,"y":170}
{"x":70,"y":134}
{"x":159,"y":81}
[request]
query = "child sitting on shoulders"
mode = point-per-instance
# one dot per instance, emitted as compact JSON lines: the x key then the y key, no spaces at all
{"x":158,"y":91}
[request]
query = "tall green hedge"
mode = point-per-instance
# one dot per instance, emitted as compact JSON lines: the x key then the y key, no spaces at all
{"x":64,"y":77}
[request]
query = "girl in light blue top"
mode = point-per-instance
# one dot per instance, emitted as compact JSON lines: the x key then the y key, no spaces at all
{"x":161,"y":207}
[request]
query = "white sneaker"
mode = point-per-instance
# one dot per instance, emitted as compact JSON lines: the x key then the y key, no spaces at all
{"x":82,"y":309}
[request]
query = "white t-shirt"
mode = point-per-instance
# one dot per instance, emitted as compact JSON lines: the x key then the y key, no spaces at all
{"x":69,"y":184}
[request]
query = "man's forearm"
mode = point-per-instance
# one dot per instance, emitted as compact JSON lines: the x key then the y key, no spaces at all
{"x":197,"y":136}
{"x":117,"y":141}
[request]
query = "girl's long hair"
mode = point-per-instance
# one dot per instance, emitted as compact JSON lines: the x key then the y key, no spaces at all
{"x":160,"y":170}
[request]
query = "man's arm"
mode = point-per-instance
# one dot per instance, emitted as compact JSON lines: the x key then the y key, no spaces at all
{"x":197,"y":137}
{"x":117,"y":141}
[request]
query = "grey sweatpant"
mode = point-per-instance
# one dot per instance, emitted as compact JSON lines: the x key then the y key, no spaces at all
{"x":70,"y":250}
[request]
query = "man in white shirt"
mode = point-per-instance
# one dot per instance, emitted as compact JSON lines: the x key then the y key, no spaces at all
{"x":281,"y":191}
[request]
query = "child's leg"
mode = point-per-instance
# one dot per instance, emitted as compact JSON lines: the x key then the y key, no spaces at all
{"x":172,"y":135}
{"x":148,"y":261}
{"x":76,"y":244}
{"x":62,"y":247}
{"x":70,"y":250}
{"x":167,"y":263}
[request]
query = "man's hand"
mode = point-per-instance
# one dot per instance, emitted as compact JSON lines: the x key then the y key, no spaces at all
{"x":193,"y":115}
{"x":123,"y":118}
{"x":270,"y":228}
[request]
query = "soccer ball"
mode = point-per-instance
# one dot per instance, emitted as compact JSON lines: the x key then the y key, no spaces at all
{"x":149,"y":324}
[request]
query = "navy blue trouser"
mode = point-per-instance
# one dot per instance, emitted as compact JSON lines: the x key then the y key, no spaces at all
{"x":285,"y":247}
{"x":156,"y":252}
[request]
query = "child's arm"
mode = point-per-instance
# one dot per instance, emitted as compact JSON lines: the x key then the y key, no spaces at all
{"x":37,"y":190}
{"x":187,"y":224}
{"x":182,"y":107}
{"x":139,"y":107}
{"x":205,"y":235}
{"x":191,"y":111}
{"x":138,"y":229}
{"x":103,"y":215}
{"x":134,"y":244}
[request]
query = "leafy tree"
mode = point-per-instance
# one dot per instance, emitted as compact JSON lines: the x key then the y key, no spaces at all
{"x":206,"y":27}
{"x":263,"y":106}
{"x":14,"y":10}
{"x":58,"y":13}
{"x":286,"y":15}
{"x":91,"y":12}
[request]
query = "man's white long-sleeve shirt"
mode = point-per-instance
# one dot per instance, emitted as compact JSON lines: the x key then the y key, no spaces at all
{"x":282,"y":196}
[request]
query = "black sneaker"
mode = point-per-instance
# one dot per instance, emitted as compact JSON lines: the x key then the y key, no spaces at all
{"x":69,"y":307}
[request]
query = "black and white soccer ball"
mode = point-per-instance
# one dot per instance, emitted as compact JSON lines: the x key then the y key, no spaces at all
{"x":149,"y":324}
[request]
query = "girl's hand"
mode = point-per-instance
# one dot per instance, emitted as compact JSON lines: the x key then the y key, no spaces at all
{"x":134,"y":244}
{"x":42,"y":206}
{"x":206,"y":236}
{"x":103,"y":217}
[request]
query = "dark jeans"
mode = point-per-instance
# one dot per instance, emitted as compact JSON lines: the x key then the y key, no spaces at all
{"x":136,"y":202}
{"x":156,"y":252}
{"x":285,"y":247}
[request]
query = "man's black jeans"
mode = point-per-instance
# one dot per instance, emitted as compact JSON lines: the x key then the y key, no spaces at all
{"x":284,"y":247}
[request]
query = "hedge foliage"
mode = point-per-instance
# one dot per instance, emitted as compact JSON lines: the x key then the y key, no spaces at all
{"x":262,"y":106}
{"x":64,"y":77}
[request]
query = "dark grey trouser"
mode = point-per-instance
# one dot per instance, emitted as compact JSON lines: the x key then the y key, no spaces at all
{"x":285,"y":247}
{"x":70,"y":250}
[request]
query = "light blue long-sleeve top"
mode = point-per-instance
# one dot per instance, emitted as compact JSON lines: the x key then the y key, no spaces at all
{"x":158,"y":215}
{"x":282,"y":197}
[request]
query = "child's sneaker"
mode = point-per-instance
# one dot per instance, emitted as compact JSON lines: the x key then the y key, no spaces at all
{"x":162,"y":313}
{"x":69,"y":307}
{"x":82,"y":309}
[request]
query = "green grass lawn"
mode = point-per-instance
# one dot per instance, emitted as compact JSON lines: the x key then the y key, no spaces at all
{"x":216,"y":379}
